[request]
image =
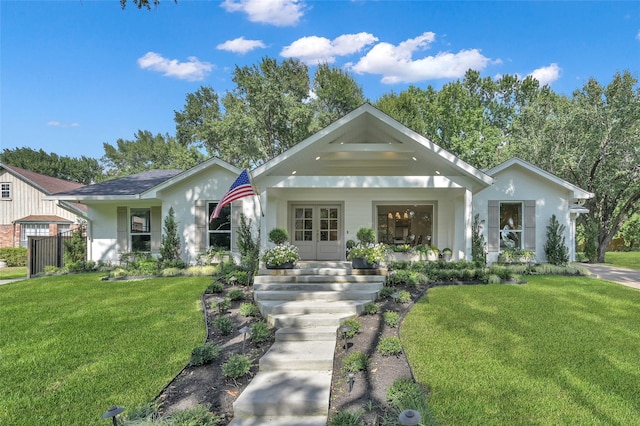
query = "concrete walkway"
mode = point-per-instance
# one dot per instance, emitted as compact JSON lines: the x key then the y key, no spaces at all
{"x":12,"y":280}
{"x":627,"y":277}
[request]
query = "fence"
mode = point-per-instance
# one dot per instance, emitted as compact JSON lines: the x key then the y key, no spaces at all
{"x":48,"y":251}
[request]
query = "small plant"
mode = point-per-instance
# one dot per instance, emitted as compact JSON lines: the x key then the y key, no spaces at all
{"x":238,"y":278}
{"x":235,"y":295}
{"x":371,"y":308}
{"x":403,"y":390}
{"x":204,"y":354}
{"x":223,"y":324}
{"x":280,"y":255}
{"x":354,"y":362}
{"x":215,"y":287}
{"x":493,"y":279}
{"x":260,"y":332}
{"x":366,"y":235}
{"x":193,"y":416}
{"x":389,"y":345}
{"x":403,"y":297}
{"x":236,"y":366}
{"x":221,"y":306}
{"x":355,"y":327}
{"x":387,"y":291}
{"x":249,"y":310}
{"x":391,"y":318}
{"x":278,"y":236}
{"x":346,"y":418}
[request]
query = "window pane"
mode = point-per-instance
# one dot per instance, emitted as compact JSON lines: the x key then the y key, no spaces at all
{"x":140,"y":220}
{"x":510,"y":226}
{"x":220,"y":239}
{"x":141,"y":243}
{"x":5,"y":190}
{"x":405,"y":224}
{"x":222,"y":222}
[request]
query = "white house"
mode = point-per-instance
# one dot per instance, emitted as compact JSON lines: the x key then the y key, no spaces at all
{"x":364,"y":170}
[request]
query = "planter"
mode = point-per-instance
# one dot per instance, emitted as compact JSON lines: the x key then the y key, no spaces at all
{"x":3,"y":263}
{"x":286,"y":265}
{"x":446,"y":257}
{"x":399,"y":256}
{"x":361,"y":263}
{"x":432,"y":257}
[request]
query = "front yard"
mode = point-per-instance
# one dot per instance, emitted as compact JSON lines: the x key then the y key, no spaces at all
{"x":557,"y":350}
{"x":71,"y":346}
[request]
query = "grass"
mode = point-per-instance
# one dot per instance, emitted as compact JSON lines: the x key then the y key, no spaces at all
{"x":10,"y":273}
{"x":622,"y":259}
{"x":71,"y":346}
{"x":557,"y":350}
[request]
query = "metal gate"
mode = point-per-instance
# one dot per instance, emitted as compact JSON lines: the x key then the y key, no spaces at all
{"x":48,"y":251}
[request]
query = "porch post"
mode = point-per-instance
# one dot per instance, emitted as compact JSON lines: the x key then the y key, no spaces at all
{"x":468,"y":220}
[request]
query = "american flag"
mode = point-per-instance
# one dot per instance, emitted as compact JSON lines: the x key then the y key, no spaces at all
{"x":239,"y":189}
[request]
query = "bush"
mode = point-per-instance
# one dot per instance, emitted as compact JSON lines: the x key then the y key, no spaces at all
{"x":260,"y":332}
{"x":204,"y":354}
{"x":236,"y":366}
{"x":221,"y":306}
{"x":402,"y":390}
{"x":194,"y":416}
{"x":235,"y":295}
{"x":555,"y":248}
{"x":248,"y":246}
{"x":346,"y":418}
{"x":355,"y":327}
{"x":387,"y":291}
{"x":75,"y":247}
{"x":371,"y":308}
{"x":403,"y":297}
{"x":170,"y":245}
{"x":238,"y":278}
{"x":493,"y":279}
{"x":354,"y":362}
{"x":391,"y":318}
{"x":389,"y":345}
{"x":366,"y":235}
{"x":215,"y":287}
{"x":249,"y":310}
{"x":223,"y":324}
{"x":278,"y":236}
{"x":14,"y":256}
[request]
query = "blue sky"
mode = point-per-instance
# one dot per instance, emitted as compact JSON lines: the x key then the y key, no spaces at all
{"x":76,"y":74}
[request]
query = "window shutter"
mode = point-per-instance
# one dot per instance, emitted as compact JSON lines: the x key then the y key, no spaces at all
{"x":122,"y":238}
{"x":530,"y":225}
{"x":200,"y":237}
{"x":236,"y":211}
{"x":493,"y":225}
{"x":156,"y":229}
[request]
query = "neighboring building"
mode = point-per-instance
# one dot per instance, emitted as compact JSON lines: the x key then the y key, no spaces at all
{"x":23,"y":210}
{"x":364,"y":170}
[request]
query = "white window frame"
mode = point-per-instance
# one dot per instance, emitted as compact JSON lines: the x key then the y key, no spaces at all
{"x":5,"y":190}
{"x":140,"y":230}
{"x":32,"y":230}
{"x":211,"y":205}
{"x":511,"y":232}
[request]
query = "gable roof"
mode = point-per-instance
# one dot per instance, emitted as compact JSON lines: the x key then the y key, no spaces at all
{"x":578,"y":193}
{"x":369,"y":142}
{"x":120,"y":188}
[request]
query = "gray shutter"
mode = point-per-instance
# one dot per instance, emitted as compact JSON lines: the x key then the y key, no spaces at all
{"x":530,"y":225}
{"x":200,"y":238}
{"x":236,"y":211}
{"x":493,"y":226}
{"x":122,"y":238}
{"x":156,"y":229}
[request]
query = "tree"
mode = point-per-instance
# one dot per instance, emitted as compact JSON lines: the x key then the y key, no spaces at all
{"x":170,"y":246}
{"x":591,"y":139}
{"x":82,"y":170}
{"x":555,"y":248}
{"x":148,"y":152}
{"x":142,"y":3}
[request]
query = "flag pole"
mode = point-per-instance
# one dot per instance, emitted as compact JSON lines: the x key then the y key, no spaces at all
{"x":257,"y":192}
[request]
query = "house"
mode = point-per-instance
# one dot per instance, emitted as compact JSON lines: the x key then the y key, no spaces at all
{"x":364,"y":170}
{"x":23,"y":210}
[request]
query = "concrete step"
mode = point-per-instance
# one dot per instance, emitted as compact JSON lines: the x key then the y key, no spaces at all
{"x":280,"y":421}
{"x":285,"y":393}
{"x":315,"y":334}
{"x":307,"y":320}
{"x":293,"y":278}
{"x":296,"y":307}
{"x":325,"y":296}
{"x":315,"y":287}
{"x":296,"y":356}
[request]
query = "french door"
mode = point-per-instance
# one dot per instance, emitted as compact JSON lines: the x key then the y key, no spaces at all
{"x":317,"y":231}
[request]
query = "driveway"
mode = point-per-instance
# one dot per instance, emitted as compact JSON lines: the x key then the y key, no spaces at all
{"x":628,"y":277}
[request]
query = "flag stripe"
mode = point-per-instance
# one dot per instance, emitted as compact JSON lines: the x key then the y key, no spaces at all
{"x":239,"y":189}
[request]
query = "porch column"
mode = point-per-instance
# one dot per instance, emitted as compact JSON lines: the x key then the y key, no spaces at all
{"x":468,"y":220}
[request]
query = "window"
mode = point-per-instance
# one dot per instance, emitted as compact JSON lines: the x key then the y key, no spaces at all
{"x":5,"y":190}
{"x":32,"y":230}
{"x":510,"y":226}
{"x":220,"y":228}
{"x":140,"y":222}
{"x":405,"y":224}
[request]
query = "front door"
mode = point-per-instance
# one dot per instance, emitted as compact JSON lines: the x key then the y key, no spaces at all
{"x":317,"y":231}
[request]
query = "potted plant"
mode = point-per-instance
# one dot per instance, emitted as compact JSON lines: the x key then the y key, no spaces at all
{"x":433,"y":254}
{"x":446,"y":254}
{"x":366,"y":253}
{"x":283,"y":255}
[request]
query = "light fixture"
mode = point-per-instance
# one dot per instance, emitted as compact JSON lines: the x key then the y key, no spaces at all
{"x":352,"y":378}
{"x":390,"y":215}
{"x":112,"y":413}
{"x":414,"y":158}
{"x":344,"y":330}
{"x":409,"y":417}
{"x":244,"y":330}
{"x":317,"y":158}
{"x":398,"y":217}
{"x":406,"y":215}
{"x":294,"y":172}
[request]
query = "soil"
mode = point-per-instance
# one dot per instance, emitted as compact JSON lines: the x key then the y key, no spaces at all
{"x":206,"y":385}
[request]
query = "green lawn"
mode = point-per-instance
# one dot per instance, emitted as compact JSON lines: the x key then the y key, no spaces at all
{"x":13,"y":272}
{"x":623,"y":259}
{"x":556,"y":351}
{"x":71,"y":346}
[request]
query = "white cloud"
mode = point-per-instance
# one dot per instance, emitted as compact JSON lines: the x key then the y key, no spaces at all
{"x":192,"y":70}
{"x":241,"y":45}
{"x":546,"y":75}
{"x":396,"y":63}
{"x":62,"y":125}
{"x":638,"y":36}
{"x":281,"y":13}
{"x":314,"y":50}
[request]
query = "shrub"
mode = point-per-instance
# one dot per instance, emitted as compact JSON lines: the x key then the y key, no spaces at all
{"x":248,"y":246}
{"x":171,"y":272}
{"x":238,"y":278}
{"x":354,"y":362}
{"x":555,"y":248}
{"x":371,"y":308}
{"x":278,"y":236}
{"x":346,"y":418}
{"x":387,"y":291}
{"x":236,"y":294}
{"x":170,"y":245}
{"x":14,"y":256}
{"x":401,"y":390}
{"x":355,"y":327}
{"x":249,"y":310}
{"x":222,"y":305}
{"x":204,"y":354}
{"x":478,"y":245}
{"x":389,"y":345}
{"x":215,"y":287}
{"x":236,"y":366}
{"x":366,"y":235}
{"x":391,"y":318}
{"x":494,"y":279}
{"x":149,"y":411}
{"x":260,"y":332}
{"x":75,"y":247}
{"x":194,"y":416}
{"x":403,"y":297}
{"x":223,"y":324}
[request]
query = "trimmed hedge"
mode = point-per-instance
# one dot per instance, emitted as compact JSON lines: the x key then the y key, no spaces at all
{"x":14,"y":256}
